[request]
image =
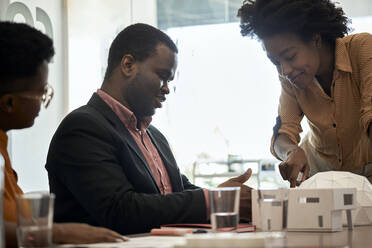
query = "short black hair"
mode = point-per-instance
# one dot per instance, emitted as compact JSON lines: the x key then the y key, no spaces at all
{"x":140,"y":41}
{"x":22,"y":51}
{"x":265,"y":18}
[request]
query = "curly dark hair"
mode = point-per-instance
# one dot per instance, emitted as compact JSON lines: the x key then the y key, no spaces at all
{"x":22,"y":51}
{"x":140,"y":41}
{"x":263,"y":18}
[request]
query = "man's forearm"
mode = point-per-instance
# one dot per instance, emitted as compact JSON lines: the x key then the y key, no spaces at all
{"x":283,"y":146}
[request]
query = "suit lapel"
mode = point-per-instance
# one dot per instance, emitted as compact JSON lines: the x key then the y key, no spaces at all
{"x":105,"y":110}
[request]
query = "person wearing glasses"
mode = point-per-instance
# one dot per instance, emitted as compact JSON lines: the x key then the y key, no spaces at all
{"x":325,"y":75}
{"x":25,"y":53}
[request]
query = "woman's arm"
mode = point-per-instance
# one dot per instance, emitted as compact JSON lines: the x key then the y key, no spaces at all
{"x":71,"y":233}
{"x":76,"y":233}
{"x":286,"y":136}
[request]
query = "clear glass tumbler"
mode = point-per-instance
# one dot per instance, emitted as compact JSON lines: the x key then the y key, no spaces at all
{"x":35,"y":219}
{"x":224,"y":204}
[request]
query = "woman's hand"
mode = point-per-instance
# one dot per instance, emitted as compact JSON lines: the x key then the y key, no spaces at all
{"x":295,"y":163}
{"x":74,"y":233}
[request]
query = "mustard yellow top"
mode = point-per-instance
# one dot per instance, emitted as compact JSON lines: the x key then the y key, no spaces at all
{"x":11,"y":187}
{"x":338,"y":123}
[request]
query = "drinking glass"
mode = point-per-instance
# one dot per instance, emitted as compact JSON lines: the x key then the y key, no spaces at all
{"x":224,"y":204}
{"x":35,"y":219}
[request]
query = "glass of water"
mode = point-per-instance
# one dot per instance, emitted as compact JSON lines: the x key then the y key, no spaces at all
{"x":35,"y":219}
{"x":224,"y":204}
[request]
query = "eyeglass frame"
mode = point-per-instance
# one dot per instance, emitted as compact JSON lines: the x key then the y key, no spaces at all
{"x":45,"y":98}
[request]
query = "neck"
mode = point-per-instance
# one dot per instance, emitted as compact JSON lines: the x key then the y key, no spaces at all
{"x":327,"y":61}
{"x":115,"y":92}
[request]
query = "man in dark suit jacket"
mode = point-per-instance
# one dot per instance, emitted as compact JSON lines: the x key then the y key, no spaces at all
{"x":106,"y":164}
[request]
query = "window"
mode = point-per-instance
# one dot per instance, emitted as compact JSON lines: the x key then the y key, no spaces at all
{"x":348,"y":199}
{"x":308,"y":200}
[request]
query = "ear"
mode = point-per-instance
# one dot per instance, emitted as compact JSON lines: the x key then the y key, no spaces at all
{"x":128,"y":65}
{"x":7,"y":103}
{"x":317,"y":38}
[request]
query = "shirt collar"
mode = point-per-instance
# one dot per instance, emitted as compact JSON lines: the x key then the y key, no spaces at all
{"x":126,"y":116}
{"x":342,"y":58}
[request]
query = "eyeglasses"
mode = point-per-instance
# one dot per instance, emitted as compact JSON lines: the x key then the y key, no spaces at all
{"x":45,"y":98}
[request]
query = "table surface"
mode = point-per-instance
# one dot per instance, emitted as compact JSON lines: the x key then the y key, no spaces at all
{"x":359,"y":237}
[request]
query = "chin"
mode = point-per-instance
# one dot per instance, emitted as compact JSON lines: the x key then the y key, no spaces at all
{"x":150,"y":113}
{"x":30,"y":124}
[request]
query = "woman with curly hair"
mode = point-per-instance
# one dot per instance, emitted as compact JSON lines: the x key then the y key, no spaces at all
{"x":326,"y":75}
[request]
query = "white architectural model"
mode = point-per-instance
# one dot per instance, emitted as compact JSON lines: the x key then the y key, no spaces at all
{"x":302,"y":209}
{"x":271,"y":206}
{"x":362,"y":215}
{"x":319,"y":209}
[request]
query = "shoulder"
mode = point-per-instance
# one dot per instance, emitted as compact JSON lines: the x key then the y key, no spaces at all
{"x":85,"y":119}
{"x":356,"y":42}
{"x":81,"y":116}
{"x":358,"y":49}
{"x":356,"y":38}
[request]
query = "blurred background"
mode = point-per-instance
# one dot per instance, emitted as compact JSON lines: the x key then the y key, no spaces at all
{"x":219,"y":118}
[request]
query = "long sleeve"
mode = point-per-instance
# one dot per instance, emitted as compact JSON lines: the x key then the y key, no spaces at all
{"x":289,"y":116}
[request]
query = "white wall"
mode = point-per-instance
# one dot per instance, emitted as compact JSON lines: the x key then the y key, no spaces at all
{"x":354,"y":8}
{"x":77,"y":69}
{"x":29,"y":146}
{"x":93,"y":24}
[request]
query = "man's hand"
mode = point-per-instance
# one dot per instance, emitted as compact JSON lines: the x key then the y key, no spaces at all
{"x":74,"y":233}
{"x":245,"y":211}
{"x":295,"y":163}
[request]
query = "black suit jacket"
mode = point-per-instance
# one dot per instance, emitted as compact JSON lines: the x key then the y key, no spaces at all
{"x":100,"y":177}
